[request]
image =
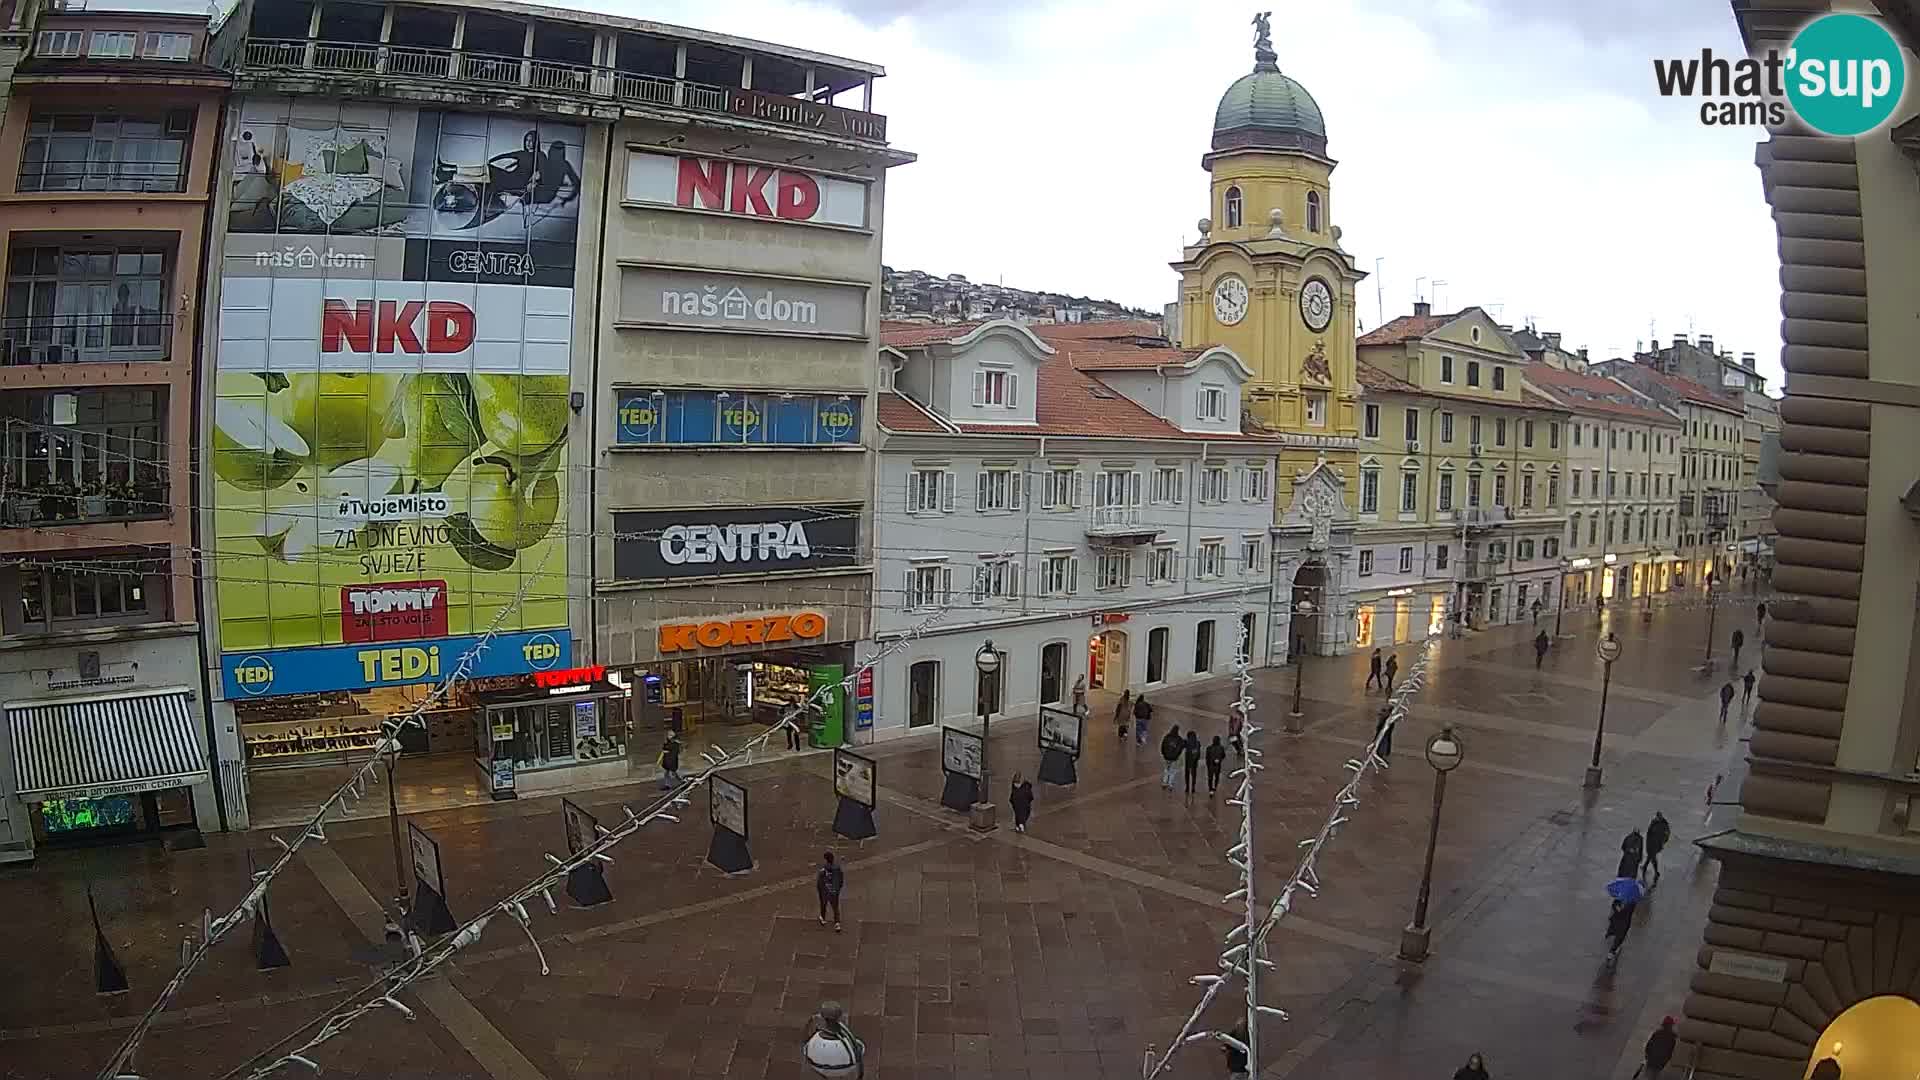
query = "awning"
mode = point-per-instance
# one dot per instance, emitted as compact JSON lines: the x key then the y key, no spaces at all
{"x":102,"y":745}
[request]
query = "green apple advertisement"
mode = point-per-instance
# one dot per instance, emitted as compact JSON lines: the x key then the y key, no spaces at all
{"x":389,"y":435}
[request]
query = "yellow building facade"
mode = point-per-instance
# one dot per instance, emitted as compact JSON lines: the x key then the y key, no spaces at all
{"x":1268,"y":279}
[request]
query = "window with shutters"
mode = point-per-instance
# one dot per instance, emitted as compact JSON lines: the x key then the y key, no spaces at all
{"x":996,"y":387}
{"x":997,"y":489}
{"x":1163,"y":564}
{"x":1369,"y":491}
{"x":929,"y":585}
{"x":1253,"y":483}
{"x":1113,"y":570}
{"x":997,"y":577}
{"x":1213,"y":403}
{"x":929,"y":491}
{"x":1063,"y":489}
{"x":1524,"y":550}
{"x":1116,"y":497}
{"x":1169,"y":485}
{"x":1253,"y":553}
{"x":1213,"y":484}
{"x":1211,"y":559}
{"x":1059,"y":574}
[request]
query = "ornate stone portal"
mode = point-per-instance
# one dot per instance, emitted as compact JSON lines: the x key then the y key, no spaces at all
{"x":1313,"y":545}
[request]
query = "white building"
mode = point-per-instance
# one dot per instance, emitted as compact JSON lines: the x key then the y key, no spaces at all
{"x":1115,"y":526}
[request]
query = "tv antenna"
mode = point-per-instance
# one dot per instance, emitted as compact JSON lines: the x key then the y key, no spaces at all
{"x":1379,"y":294}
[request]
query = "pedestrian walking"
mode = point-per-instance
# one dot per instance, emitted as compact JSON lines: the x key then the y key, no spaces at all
{"x":1746,"y":690}
{"x":792,"y":727}
{"x":1739,"y":639}
{"x":1540,"y":646}
{"x":1237,"y":1057}
{"x":1633,"y":847}
{"x":670,"y":762}
{"x":1619,"y":924}
{"x":1191,"y":749}
{"x":828,"y":881}
{"x":1021,"y":798}
{"x":1536,"y":613}
{"x":1659,"y":1051}
{"x":1763,"y":614}
{"x":1373,"y":671}
{"x":1142,"y":719}
{"x":1236,"y":724}
{"x":1080,"y":695}
{"x":1171,"y":747}
{"x":1658,"y":833}
{"x":1474,"y":1069}
{"x":1121,"y":711}
{"x":1726,"y":700}
{"x":1216,"y":758}
{"x":1393,"y":669}
{"x":1453,"y":625}
{"x":1383,"y":738}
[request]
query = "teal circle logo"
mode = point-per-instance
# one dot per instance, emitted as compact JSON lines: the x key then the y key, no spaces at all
{"x":1845,"y":74}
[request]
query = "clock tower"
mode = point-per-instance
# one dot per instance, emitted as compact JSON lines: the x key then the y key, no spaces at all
{"x":1269,"y":280}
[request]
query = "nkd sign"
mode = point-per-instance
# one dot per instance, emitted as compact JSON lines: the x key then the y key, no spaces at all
{"x":656,"y":544}
{"x":652,"y":296}
{"x":745,"y":188}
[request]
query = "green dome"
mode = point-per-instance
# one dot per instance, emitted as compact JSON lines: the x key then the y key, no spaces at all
{"x":1266,"y":109}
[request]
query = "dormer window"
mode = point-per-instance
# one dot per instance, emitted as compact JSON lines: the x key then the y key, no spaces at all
{"x":996,"y":388}
{"x":111,"y":45}
{"x":1233,"y":208}
{"x":1213,"y":403}
{"x":1313,"y":211}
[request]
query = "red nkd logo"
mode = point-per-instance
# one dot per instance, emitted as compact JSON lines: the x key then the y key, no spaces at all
{"x":393,"y":611}
{"x":738,"y":188}
{"x":394,"y":326}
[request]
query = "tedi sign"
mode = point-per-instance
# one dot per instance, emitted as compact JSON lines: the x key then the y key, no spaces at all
{"x":745,"y":188}
{"x":752,"y":540}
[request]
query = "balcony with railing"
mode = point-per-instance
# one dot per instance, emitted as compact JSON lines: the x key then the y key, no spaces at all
{"x":78,"y":339}
{"x":100,"y":302}
{"x":1120,"y":524}
{"x":83,"y":456}
{"x":597,"y":63}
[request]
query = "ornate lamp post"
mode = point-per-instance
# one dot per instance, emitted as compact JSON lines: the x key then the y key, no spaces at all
{"x":1609,"y":650}
{"x":1444,"y":753}
{"x":1304,"y":609}
{"x":987,"y":663}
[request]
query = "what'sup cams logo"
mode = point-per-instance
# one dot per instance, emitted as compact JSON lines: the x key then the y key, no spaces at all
{"x":1843,"y":75}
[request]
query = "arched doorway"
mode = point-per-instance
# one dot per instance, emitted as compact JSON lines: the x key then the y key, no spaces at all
{"x":1310,"y":586}
{"x":1876,"y":1039}
{"x":1107,"y":660}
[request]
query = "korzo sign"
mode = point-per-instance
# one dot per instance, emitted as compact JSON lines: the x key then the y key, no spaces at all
{"x":651,"y":544}
{"x":652,"y":296}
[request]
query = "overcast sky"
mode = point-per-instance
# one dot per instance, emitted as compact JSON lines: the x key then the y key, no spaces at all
{"x":1514,"y":149}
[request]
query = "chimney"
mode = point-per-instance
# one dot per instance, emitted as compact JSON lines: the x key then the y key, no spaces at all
{"x":1583,"y":354}
{"x":1746,"y":359}
{"x":1422,"y":309}
{"x":1678,"y":339}
{"x":1706,"y":343}
{"x":1553,"y":339}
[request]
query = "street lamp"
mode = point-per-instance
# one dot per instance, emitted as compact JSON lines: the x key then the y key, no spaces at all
{"x":1713,"y":612}
{"x":987,"y":663}
{"x":1304,"y":609}
{"x":1609,"y":650}
{"x":1444,"y":753}
{"x":1566,"y":567}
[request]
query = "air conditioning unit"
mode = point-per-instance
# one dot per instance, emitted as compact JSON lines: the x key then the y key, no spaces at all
{"x":1474,"y":449}
{"x":1413,"y":446}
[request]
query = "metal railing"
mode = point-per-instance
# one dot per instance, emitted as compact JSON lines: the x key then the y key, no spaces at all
{"x":407,"y":61}
{"x":50,"y":506}
{"x":63,"y":176}
{"x":1105,"y":517}
{"x":70,"y":339}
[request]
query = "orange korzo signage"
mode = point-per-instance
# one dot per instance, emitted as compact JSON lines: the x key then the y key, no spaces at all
{"x":724,"y":633}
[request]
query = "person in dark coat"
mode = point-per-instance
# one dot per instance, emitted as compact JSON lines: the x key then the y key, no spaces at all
{"x":1373,"y":671}
{"x":1746,"y":690}
{"x":1726,"y":700}
{"x":1828,"y":1069}
{"x":1142,"y":719}
{"x":1619,"y":924}
{"x":1659,"y":1050}
{"x":1763,"y":613}
{"x":1192,"y":751}
{"x":1739,"y":639}
{"x":1122,"y":710}
{"x":1658,"y":833}
{"x":1540,"y":646}
{"x":1216,"y":758}
{"x":1632,"y":849}
{"x":1383,"y":735}
{"x":1393,"y":669}
{"x":1474,"y":1069}
{"x":1236,"y":723}
{"x":1236,"y":1057}
{"x":1171,"y":747}
{"x":670,"y":762}
{"x":828,"y":880}
{"x":1021,"y":797}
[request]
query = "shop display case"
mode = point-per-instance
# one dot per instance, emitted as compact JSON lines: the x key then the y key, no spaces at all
{"x":309,"y":742}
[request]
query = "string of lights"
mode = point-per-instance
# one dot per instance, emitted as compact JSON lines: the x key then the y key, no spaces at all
{"x":383,"y":992}
{"x":1244,"y":954}
{"x":196,"y":948}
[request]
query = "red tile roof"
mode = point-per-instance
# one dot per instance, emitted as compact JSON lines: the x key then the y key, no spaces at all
{"x":1406,"y":328}
{"x":905,"y":415}
{"x":1109,"y":329}
{"x":909,"y":335}
{"x":1382,"y":382}
{"x":1690,"y":390}
{"x":1373,"y":378}
{"x":1114,"y":356}
{"x":1592,"y":393}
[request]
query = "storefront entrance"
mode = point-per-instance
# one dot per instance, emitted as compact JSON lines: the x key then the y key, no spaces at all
{"x":1309,"y":603}
{"x":1053,"y":673}
{"x":1107,"y":660}
{"x":923,"y":693}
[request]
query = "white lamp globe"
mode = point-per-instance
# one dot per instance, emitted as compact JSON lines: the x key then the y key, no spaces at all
{"x":831,"y":1057}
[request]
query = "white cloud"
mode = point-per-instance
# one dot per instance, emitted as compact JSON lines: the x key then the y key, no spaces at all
{"x":1514,"y":148}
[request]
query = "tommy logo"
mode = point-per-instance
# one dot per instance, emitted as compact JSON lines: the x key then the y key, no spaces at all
{"x":393,"y":611}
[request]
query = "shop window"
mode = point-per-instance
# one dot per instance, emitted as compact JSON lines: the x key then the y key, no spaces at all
{"x":1157,"y":640}
{"x":1363,"y":628}
{"x":1203,"y":647}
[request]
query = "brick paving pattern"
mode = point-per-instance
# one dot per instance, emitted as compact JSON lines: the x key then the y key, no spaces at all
{"x":1059,"y":954}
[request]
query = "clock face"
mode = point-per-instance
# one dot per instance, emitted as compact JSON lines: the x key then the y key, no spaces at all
{"x":1316,"y":304}
{"x":1229,"y":300}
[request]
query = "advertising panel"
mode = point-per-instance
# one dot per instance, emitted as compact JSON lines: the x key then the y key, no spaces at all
{"x":698,"y":300}
{"x":960,"y":752}
{"x":653,"y":544}
{"x":268,"y":672}
{"x":727,"y":805}
{"x":392,"y":395}
{"x":745,"y":188}
{"x":853,"y":777}
{"x":735,"y":418}
{"x":1061,"y":730}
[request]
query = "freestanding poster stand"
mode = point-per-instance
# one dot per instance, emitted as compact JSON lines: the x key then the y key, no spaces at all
{"x":727,"y":808}
{"x":855,"y":782}
{"x":586,"y":883}
{"x":1061,"y":734}
{"x":960,"y":758}
{"x":268,"y":953}
{"x":429,"y":914}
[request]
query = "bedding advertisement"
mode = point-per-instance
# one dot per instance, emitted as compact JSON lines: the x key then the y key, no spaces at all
{"x":389,"y":443}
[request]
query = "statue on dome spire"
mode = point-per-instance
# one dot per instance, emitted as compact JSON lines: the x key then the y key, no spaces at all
{"x":1264,"y":58}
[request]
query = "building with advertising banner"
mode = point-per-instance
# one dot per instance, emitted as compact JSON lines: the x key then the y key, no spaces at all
{"x":414,"y":339}
{"x":739,"y":301}
{"x":106,"y":153}
{"x":1091,"y":506}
